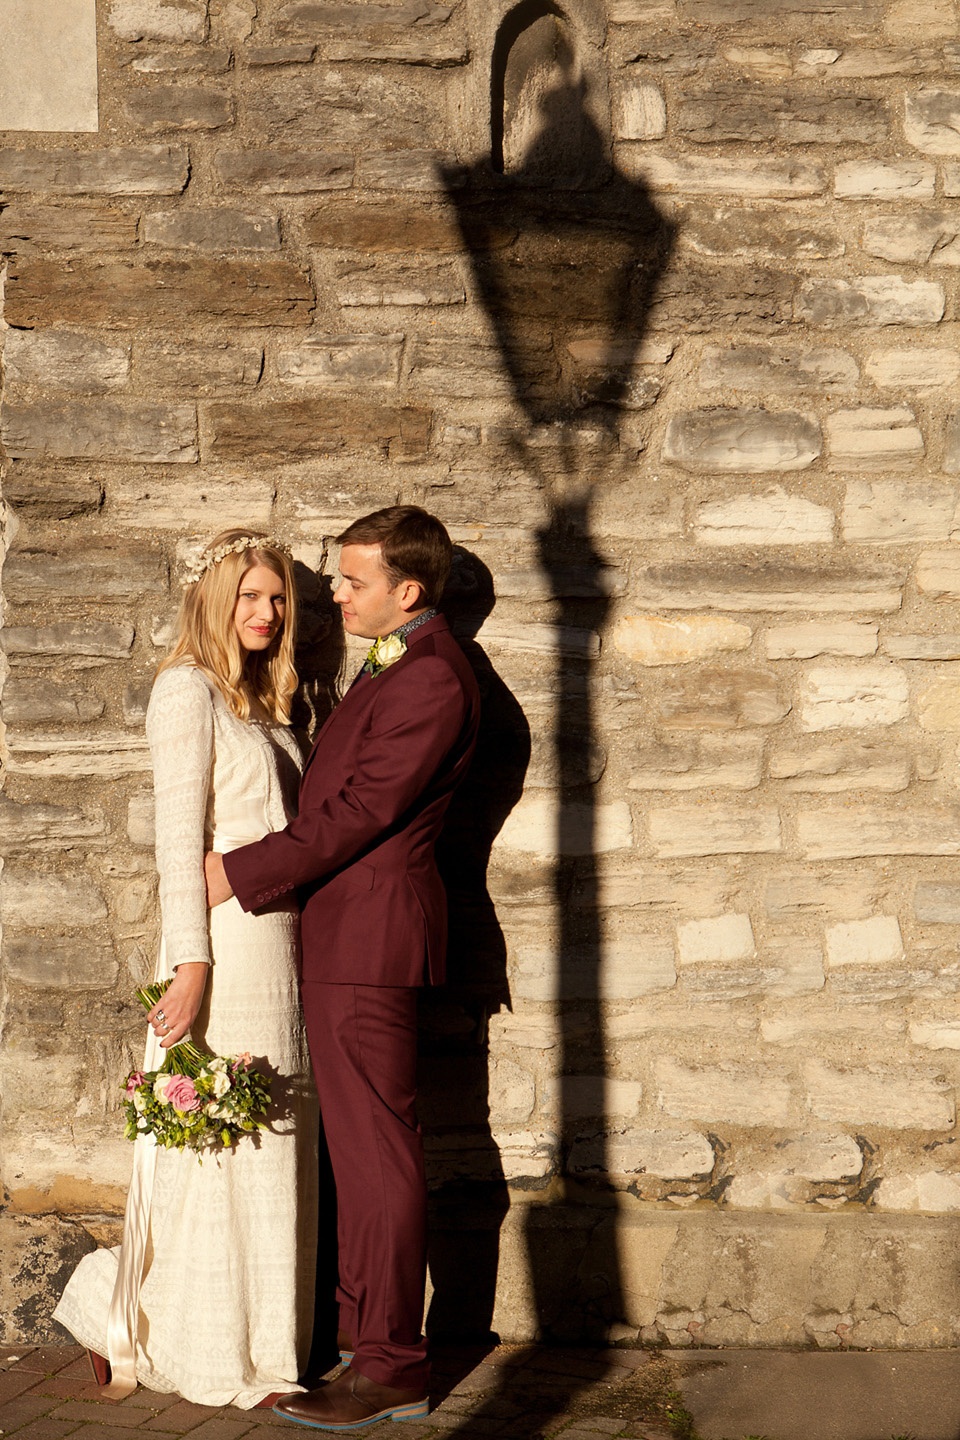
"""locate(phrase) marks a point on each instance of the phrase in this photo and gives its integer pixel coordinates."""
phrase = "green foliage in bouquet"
(195, 1101)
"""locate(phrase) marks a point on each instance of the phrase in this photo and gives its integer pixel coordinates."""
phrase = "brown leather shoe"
(351, 1402)
(100, 1366)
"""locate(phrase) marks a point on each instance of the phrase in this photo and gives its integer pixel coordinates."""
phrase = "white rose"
(390, 648)
(160, 1088)
(220, 1083)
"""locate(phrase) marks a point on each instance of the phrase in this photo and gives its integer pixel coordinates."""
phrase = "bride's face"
(260, 608)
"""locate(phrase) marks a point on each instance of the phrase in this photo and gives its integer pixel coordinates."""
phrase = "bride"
(210, 1294)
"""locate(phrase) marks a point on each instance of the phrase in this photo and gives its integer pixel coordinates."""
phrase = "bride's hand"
(177, 1007)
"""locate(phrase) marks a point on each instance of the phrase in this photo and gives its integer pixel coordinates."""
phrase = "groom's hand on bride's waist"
(218, 886)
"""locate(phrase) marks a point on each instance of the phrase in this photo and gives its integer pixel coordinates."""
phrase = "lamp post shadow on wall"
(566, 253)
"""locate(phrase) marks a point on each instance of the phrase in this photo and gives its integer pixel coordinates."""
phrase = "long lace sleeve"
(180, 732)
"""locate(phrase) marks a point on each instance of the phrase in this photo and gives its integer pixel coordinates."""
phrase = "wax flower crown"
(205, 561)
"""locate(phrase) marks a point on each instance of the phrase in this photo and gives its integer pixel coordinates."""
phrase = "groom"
(360, 852)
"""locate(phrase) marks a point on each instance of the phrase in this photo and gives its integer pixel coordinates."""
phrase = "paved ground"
(528, 1392)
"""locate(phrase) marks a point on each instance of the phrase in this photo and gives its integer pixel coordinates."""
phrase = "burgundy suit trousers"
(363, 1041)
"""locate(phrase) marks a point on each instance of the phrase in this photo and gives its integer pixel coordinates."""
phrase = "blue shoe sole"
(345, 1357)
(417, 1411)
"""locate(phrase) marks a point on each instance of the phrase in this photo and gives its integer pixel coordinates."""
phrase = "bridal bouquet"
(195, 1101)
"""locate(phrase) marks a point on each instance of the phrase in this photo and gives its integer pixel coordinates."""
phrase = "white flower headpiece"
(205, 560)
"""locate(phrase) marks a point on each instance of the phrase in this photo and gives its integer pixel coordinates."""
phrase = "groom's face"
(367, 603)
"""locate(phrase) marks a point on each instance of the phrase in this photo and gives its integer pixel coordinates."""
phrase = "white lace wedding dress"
(222, 1305)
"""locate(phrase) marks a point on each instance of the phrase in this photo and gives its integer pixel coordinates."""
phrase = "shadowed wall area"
(653, 303)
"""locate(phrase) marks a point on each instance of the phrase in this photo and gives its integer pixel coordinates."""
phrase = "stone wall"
(684, 383)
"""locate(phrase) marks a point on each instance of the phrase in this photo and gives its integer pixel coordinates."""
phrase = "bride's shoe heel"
(100, 1368)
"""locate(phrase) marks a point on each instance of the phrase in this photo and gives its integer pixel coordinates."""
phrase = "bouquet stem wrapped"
(195, 1101)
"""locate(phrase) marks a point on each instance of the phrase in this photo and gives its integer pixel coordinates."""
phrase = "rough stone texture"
(723, 896)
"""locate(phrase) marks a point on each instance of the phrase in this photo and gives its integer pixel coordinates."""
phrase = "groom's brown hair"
(414, 545)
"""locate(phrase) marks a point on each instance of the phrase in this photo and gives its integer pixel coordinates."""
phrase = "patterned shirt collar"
(408, 627)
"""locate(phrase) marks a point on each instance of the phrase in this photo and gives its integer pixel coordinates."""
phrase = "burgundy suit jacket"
(372, 800)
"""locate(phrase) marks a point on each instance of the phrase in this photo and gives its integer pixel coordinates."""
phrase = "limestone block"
(721, 939)
(416, 170)
(176, 20)
(951, 444)
(115, 573)
(108, 755)
(209, 507)
(767, 585)
(798, 15)
(938, 573)
(693, 890)
(930, 235)
(398, 282)
(140, 819)
(694, 297)
(937, 904)
(184, 59)
(876, 439)
(638, 512)
(919, 368)
(632, 964)
(715, 830)
(30, 899)
(512, 1092)
(853, 696)
(781, 369)
(38, 1251)
(60, 962)
(262, 55)
(875, 941)
(742, 439)
(934, 1191)
(921, 19)
(385, 228)
(576, 759)
(719, 699)
(702, 762)
(775, 518)
(938, 704)
(33, 701)
(808, 638)
(736, 1095)
(158, 292)
(591, 1097)
(931, 121)
(64, 361)
(51, 227)
(884, 180)
(297, 428)
(791, 965)
(840, 833)
(640, 112)
(764, 1190)
(342, 361)
(746, 179)
(767, 233)
(888, 512)
(846, 894)
(653, 640)
(821, 1157)
(108, 430)
(533, 638)
(667, 1154)
(46, 827)
(763, 62)
(211, 229)
(439, 51)
(307, 15)
(102, 640)
(190, 368)
(936, 1034)
(538, 825)
(842, 765)
(120, 170)
(471, 369)
(179, 108)
(899, 1099)
(285, 172)
(870, 300)
(922, 647)
(779, 114)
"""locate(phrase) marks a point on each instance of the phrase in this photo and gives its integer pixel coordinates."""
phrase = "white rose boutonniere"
(385, 650)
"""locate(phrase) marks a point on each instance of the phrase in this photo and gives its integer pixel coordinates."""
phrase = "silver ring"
(160, 1016)
(165, 1029)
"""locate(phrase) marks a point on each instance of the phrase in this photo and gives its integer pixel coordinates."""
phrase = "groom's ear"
(411, 595)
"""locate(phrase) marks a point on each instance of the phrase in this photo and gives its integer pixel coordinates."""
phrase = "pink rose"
(182, 1094)
(134, 1081)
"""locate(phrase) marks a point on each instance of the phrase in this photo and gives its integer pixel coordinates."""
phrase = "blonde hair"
(206, 634)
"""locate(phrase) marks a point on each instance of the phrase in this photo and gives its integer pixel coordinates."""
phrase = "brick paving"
(512, 1392)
